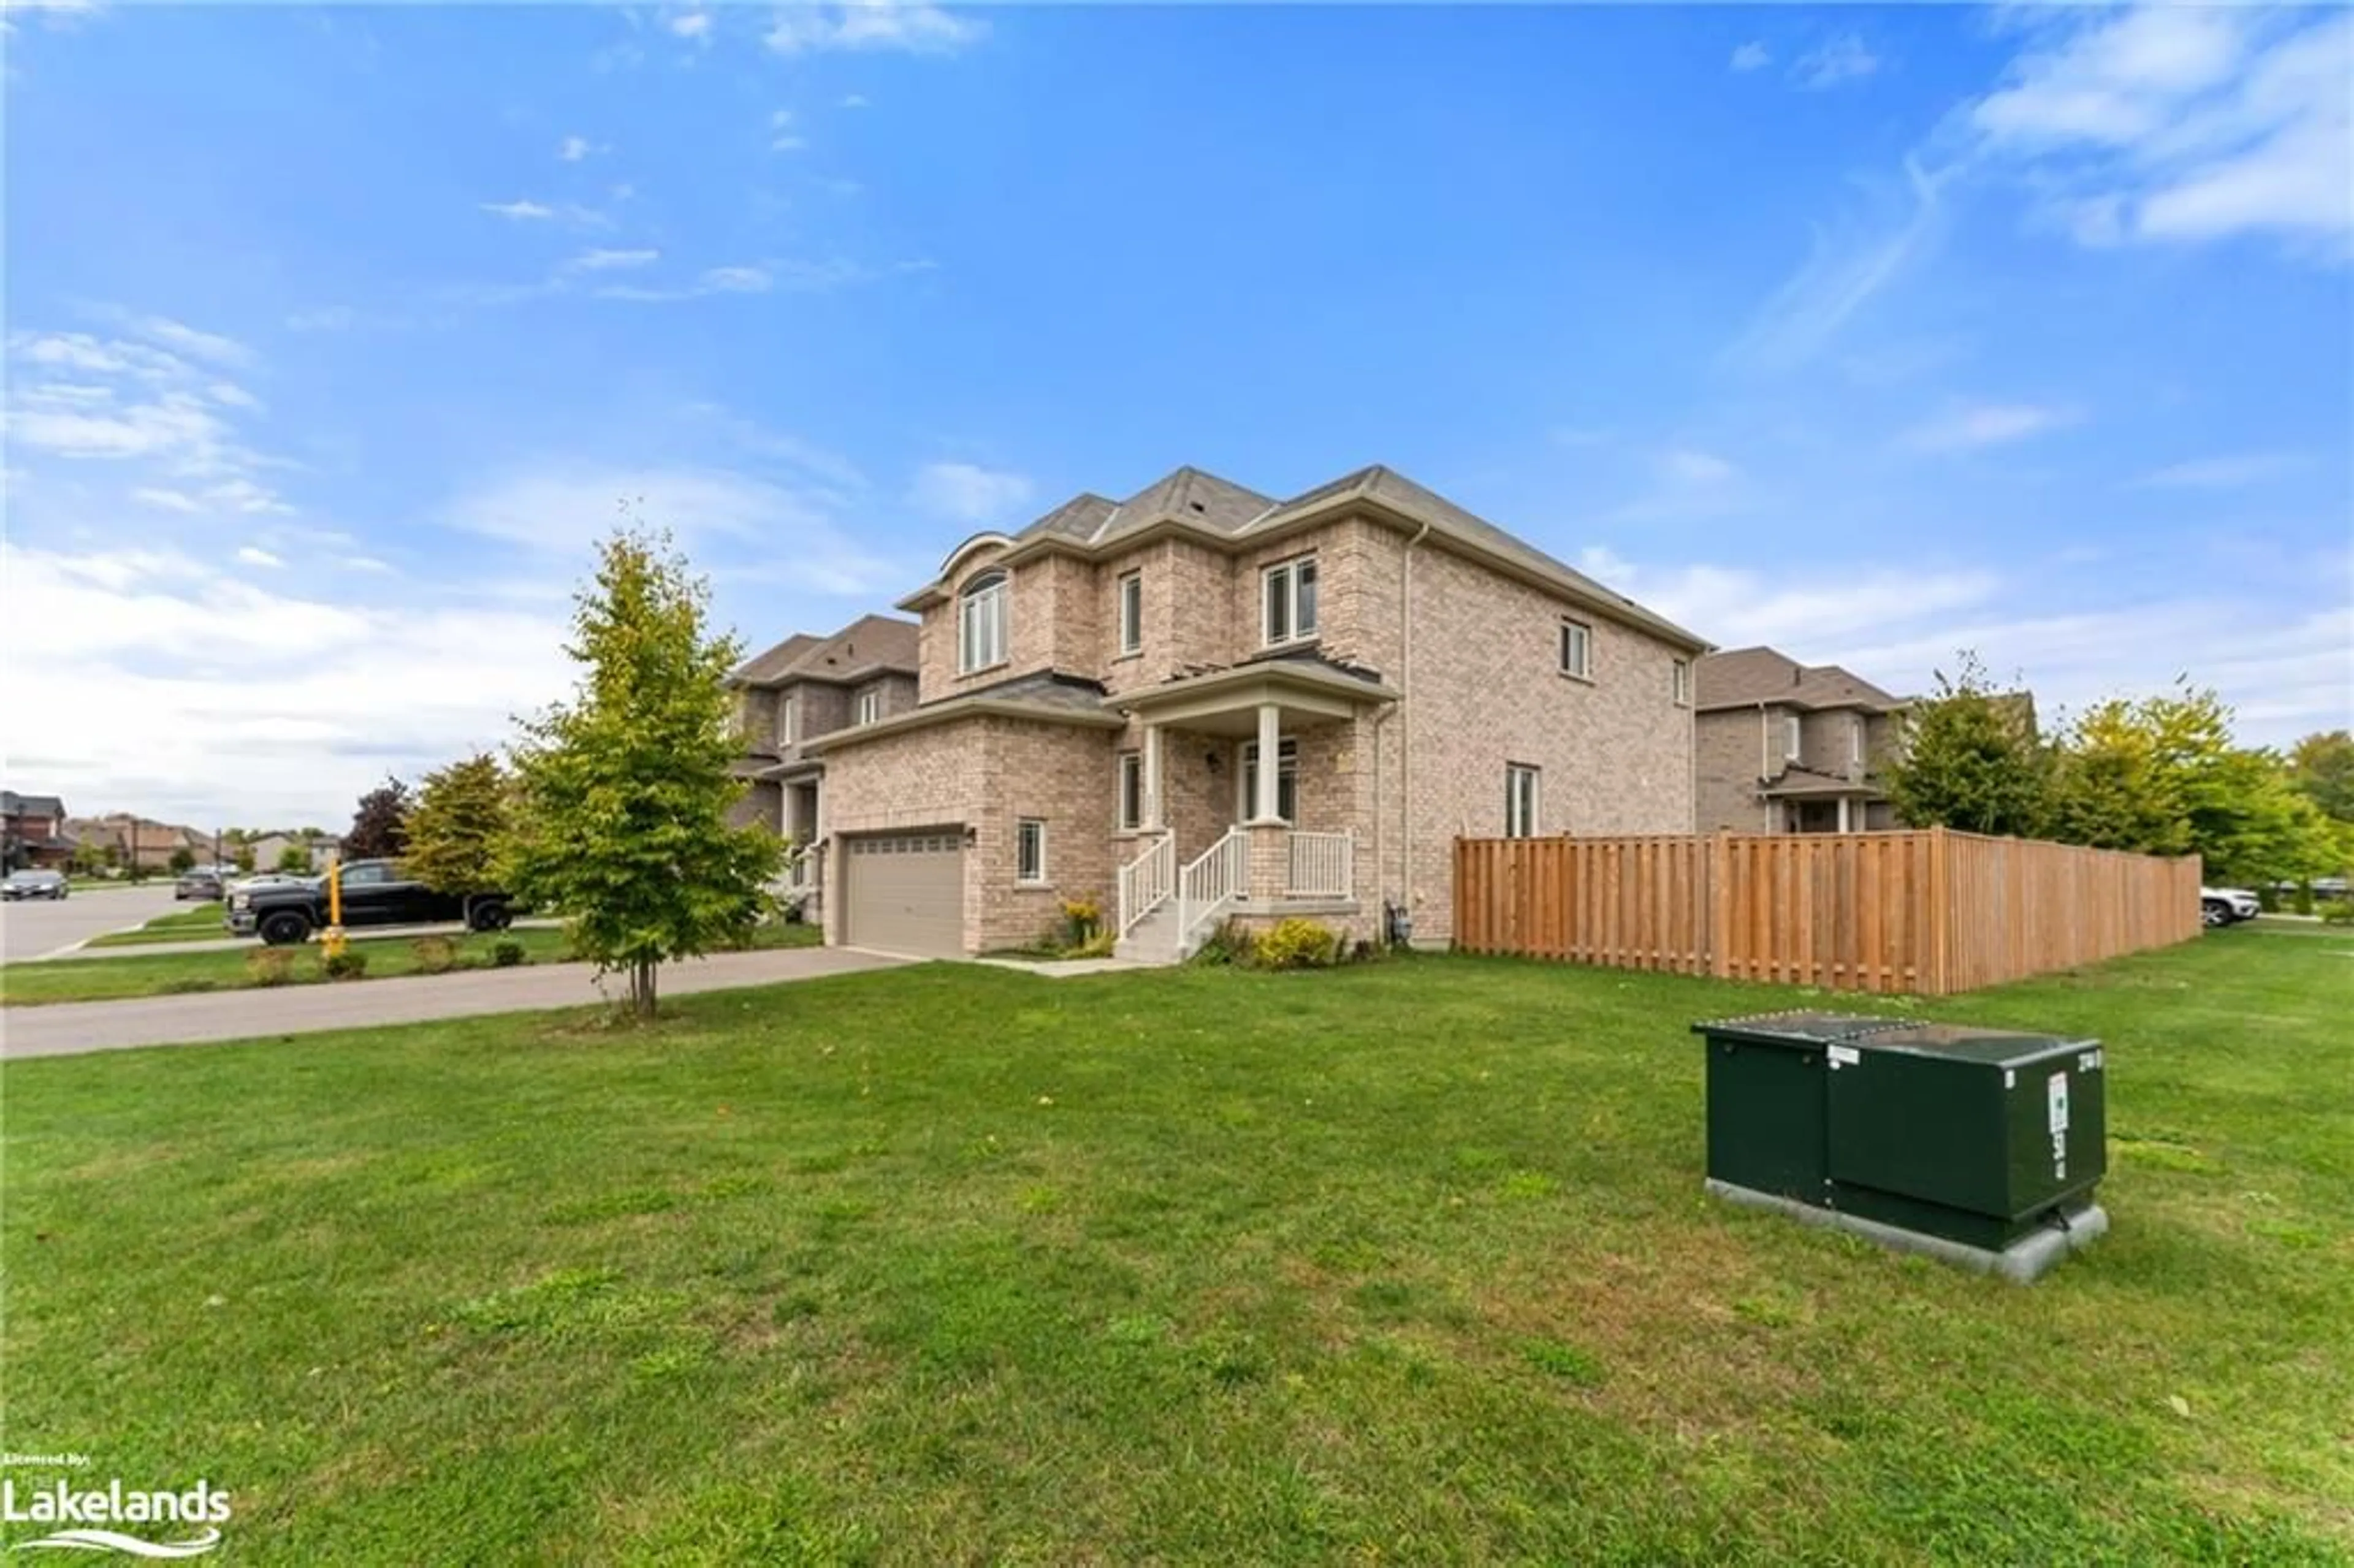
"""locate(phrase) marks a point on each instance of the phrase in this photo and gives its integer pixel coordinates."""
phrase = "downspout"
(1405, 731)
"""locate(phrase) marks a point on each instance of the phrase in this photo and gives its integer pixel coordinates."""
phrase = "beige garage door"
(905, 892)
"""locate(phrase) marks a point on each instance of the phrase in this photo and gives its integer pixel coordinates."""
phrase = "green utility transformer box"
(1979, 1146)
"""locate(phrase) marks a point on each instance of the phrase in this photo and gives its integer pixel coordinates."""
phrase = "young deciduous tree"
(183, 859)
(1970, 760)
(624, 791)
(458, 829)
(379, 829)
(293, 859)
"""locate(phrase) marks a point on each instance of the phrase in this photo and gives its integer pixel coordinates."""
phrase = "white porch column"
(1152, 820)
(1270, 763)
(1842, 813)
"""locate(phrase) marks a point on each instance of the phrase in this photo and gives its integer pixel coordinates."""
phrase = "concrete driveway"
(34, 927)
(72, 1029)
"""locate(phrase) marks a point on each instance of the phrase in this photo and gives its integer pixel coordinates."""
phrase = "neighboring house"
(804, 687)
(1202, 702)
(125, 839)
(270, 850)
(33, 832)
(1786, 747)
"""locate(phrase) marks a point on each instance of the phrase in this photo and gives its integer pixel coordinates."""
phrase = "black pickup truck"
(375, 893)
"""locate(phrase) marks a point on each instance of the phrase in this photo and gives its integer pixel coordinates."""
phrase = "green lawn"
(1406, 1263)
(195, 925)
(164, 974)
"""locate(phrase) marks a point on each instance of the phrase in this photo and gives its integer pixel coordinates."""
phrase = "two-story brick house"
(804, 687)
(1100, 693)
(1785, 747)
(33, 832)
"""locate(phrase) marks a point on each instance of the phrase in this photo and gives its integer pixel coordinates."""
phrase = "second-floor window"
(1131, 612)
(1287, 593)
(788, 721)
(1577, 650)
(1680, 683)
(1855, 743)
(870, 704)
(1791, 736)
(980, 623)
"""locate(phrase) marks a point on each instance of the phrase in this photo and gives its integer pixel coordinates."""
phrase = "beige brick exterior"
(1735, 748)
(1483, 689)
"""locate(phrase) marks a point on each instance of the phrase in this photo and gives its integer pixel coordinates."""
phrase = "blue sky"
(335, 335)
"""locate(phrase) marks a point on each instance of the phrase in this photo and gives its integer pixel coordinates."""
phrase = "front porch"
(1221, 834)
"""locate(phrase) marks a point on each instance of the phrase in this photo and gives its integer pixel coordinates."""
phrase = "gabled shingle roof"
(1077, 518)
(762, 668)
(15, 805)
(871, 643)
(1190, 495)
(1748, 676)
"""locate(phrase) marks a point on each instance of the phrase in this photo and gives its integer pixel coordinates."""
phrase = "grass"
(167, 974)
(1401, 1263)
(205, 920)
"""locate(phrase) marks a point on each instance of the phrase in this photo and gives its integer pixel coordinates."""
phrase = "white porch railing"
(1210, 884)
(1323, 865)
(1146, 880)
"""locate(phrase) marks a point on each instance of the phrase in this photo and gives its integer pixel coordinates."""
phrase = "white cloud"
(1751, 56)
(967, 493)
(1845, 269)
(255, 703)
(2184, 124)
(788, 144)
(1968, 426)
(1843, 58)
(169, 500)
(322, 318)
(574, 149)
(255, 555)
(693, 25)
(1736, 607)
(520, 211)
(1686, 466)
(853, 101)
(564, 507)
(363, 564)
(737, 280)
(187, 340)
(230, 393)
(2234, 473)
(873, 25)
(612, 260)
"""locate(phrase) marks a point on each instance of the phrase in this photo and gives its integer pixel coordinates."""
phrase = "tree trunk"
(641, 988)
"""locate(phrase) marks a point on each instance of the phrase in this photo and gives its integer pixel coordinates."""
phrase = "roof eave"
(949, 711)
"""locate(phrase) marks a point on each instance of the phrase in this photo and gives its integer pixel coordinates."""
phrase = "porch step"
(1153, 939)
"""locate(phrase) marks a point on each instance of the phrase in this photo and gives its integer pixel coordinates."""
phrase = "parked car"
(375, 893)
(2227, 906)
(198, 882)
(30, 883)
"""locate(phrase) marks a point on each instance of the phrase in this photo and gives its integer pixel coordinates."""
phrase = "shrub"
(270, 966)
(1100, 945)
(506, 953)
(349, 964)
(435, 955)
(1297, 945)
(2339, 913)
(1085, 919)
(2302, 899)
(1229, 944)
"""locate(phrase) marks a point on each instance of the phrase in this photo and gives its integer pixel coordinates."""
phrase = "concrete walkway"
(72, 1029)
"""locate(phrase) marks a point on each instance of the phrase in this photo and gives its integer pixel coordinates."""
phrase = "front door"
(1287, 781)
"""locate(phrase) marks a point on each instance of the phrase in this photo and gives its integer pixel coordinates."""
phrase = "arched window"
(980, 623)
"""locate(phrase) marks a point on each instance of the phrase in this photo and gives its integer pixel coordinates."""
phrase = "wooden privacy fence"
(1931, 912)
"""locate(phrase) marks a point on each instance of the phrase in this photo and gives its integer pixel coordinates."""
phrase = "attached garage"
(904, 893)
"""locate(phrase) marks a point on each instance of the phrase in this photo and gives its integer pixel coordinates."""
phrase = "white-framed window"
(870, 704)
(788, 720)
(1577, 650)
(1030, 850)
(1855, 741)
(1288, 601)
(1131, 791)
(1680, 682)
(980, 623)
(1287, 781)
(1793, 734)
(1520, 801)
(1131, 612)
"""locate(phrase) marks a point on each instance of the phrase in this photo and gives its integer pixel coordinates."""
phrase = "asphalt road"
(71, 1029)
(30, 928)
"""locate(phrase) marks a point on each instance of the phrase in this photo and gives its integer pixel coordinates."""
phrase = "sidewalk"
(69, 1029)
